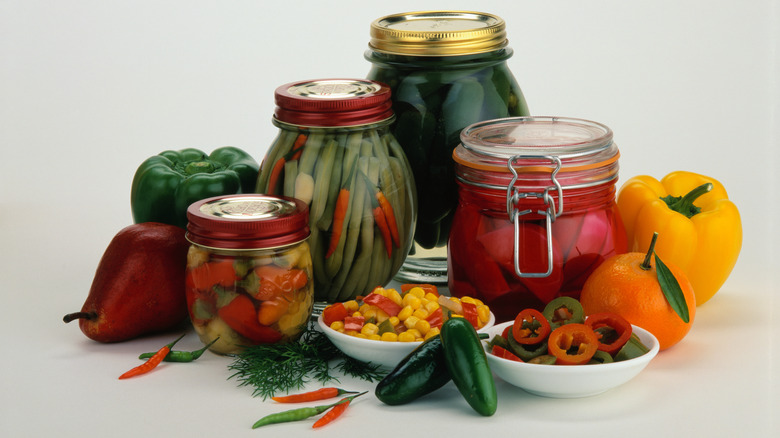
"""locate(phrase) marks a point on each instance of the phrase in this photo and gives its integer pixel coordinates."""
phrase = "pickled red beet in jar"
(536, 211)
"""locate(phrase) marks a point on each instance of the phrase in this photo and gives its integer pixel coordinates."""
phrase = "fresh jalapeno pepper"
(612, 330)
(467, 363)
(563, 310)
(530, 327)
(572, 344)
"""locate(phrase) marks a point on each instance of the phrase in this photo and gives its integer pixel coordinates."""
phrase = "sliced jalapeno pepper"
(601, 357)
(525, 352)
(633, 349)
(530, 327)
(545, 359)
(563, 310)
(573, 344)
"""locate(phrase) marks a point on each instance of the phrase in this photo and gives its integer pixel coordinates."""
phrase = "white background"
(90, 89)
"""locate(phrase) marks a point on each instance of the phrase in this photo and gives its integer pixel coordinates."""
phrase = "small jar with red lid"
(536, 212)
(335, 152)
(249, 270)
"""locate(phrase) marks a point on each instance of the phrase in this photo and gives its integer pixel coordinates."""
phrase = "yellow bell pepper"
(699, 228)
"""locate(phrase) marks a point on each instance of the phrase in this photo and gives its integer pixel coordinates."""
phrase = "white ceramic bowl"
(386, 354)
(570, 381)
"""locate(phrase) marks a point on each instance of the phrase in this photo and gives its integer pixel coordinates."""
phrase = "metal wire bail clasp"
(513, 196)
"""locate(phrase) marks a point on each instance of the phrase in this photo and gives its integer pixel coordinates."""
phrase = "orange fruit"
(621, 286)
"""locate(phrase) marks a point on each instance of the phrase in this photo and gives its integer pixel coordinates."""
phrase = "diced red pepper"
(530, 327)
(612, 331)
(436, 318)
(504, 353)
(572, 344)
(209, 274)
(383, 303)
(470, 313)
(241, 316)
(334, 312)
(354, 323)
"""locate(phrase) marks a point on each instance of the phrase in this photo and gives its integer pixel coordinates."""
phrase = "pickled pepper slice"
(572, 344)
(530, 327)
(612, 330)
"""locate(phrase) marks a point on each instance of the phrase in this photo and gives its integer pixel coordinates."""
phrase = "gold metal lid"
(438, 33)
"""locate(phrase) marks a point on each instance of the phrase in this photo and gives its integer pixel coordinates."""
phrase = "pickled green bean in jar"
(447, 70)
(335, 152)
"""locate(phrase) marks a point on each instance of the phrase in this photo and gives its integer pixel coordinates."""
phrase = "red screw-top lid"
(247, 221)
(333, 102)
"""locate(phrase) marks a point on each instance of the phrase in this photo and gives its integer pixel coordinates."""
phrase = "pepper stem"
(684, 204)
(194, 167)
(646, 263)
(79, 315)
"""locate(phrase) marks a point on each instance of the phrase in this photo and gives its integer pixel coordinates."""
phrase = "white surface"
(89, 89)
(561, 381)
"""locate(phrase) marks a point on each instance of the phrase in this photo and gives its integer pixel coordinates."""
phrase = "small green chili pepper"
(545, 359)
(525, 352)
(601, 357)
(182, 356)
(300, 413)
(633, 348)
(563, 310)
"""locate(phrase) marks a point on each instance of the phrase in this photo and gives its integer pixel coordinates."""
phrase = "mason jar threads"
(249, 270)
(447, 70)
(336, 153)
(536, 212)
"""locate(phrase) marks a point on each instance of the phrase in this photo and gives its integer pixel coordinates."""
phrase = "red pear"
(138, 287)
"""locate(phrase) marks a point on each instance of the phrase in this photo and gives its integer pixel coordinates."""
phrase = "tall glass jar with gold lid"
(447, 70)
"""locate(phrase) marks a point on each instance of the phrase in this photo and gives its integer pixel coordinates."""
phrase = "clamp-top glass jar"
(249, 270)
(536, 213)
(335, 152)
(447, 70)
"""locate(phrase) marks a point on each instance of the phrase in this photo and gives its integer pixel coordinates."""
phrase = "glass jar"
(249, 270)
(536, 212)
(447, 70)
(335, 151)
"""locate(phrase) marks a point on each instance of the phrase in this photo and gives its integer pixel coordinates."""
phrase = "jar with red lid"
(335, 152)
(536, 212)
(249, 270)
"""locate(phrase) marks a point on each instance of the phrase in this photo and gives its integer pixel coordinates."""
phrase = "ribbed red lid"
(247, 221)
(333, 102)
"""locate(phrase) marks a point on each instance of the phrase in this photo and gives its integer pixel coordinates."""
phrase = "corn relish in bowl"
(386, 325)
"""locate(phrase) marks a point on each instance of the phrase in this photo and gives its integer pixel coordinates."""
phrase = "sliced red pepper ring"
(503, 353)
(572, 344)
(530, 327)
(382, 303)
(612, 331)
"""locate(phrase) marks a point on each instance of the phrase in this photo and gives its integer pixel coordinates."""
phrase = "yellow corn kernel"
(431, 297)
(379, 291)
(416, 333)
(369, 329)
(421, 313)
(432, 332)
(412, 300)
(394, 320)
(411, 321)
(381, 315)
(375, 337)
(478, 302)
(337, 325)
(363, 307)
(351, 305)
(358, 334)
(431, 306)
(406, 337)
(405, 313)
(370, 312)
(390, 337)
(467, 300)
(422, 326)
(483, 312)
(416, 291)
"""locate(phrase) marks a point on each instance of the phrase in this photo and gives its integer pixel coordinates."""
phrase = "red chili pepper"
(572, 344)
(319, 394)
(383, 303)
(380, 219)
(612, 330)
(340, 213)
(294, 154)
(436, 318)
(217, 272)
(332, 414)
(354, 323)
(390, 216)
(530, 327)
(241, 316)
(334, 312)
(502, 352)
(470, 313)
(152, 362)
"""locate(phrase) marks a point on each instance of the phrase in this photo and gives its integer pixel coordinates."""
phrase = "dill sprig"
(276, 368)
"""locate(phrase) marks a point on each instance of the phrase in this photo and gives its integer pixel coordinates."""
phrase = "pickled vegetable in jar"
(447, 70)
(536, 212)
(249, 270)
(335, 152)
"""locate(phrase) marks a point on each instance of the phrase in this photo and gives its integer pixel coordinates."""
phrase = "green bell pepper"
(166, 184)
